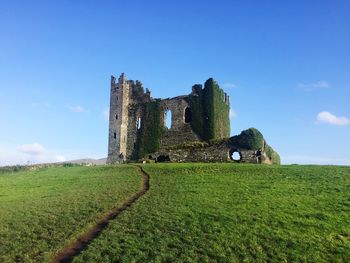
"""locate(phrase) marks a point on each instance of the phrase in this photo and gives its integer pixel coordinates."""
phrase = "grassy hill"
(192, 212)
(44, 209)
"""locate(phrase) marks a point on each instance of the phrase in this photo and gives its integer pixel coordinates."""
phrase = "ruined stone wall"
(118, 119)
(180, 131)
(138, 97)
(113, 144)
(126, 100)
(206, 154)
(212, 153)
(198, 132)
(134, 114)
(210, 106)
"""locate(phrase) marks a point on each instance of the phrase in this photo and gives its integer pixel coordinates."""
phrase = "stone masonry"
(128, 116)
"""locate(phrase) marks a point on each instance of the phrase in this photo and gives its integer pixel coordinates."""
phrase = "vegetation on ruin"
(233, 213)
(43, 209)
(217, 111)
(151, 130)
(210, 112)
(197, 144)
(272, 154)
(197, 105)
(251, 139)
(188, 145)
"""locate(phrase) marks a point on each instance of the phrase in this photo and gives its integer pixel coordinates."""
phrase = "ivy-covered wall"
(196, 102)
(210, 111)
(272, 154)
(151, 130)
(219, 111)
(251, 139)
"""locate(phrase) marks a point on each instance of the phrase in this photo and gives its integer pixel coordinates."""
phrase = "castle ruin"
(199, 130)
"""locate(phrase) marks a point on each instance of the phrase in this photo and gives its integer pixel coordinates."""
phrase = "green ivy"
(151, 130)
(250, 139)
(218, 111)
(209, 111)
(197, 107)
(275, 158)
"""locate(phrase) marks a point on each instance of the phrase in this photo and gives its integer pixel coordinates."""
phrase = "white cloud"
(60, 158)
(233, 114)
(78, 108)
(105, 114)
(229, 85)
(32, 149)
(329, 118)
(28, 154)
(321, 84)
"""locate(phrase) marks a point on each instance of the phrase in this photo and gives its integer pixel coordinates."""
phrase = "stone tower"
(118, 119)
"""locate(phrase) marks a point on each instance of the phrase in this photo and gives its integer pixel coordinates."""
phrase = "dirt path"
(70, 251)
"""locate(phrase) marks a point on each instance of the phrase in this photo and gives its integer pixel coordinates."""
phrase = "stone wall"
(137, 126)
(212, 153)
(138, 97)
(217, 153)
(126, 99)
(118, 119)
(180, 131)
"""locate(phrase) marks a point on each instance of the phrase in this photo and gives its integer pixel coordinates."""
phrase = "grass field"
(233, 213)
(42, 210)
(192, 213)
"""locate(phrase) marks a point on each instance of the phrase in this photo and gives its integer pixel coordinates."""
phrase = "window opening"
(168, 119)
(139, 121)
(188, 115)
(235, 155)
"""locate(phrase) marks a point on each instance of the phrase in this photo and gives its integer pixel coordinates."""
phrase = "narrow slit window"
(139, 122)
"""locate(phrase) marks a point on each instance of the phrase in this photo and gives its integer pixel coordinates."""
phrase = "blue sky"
(285, 65)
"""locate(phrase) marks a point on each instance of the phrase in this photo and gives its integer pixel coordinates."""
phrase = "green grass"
(42, 210)
(233, 213)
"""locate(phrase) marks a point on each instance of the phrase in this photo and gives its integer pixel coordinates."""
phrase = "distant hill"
(85, 161)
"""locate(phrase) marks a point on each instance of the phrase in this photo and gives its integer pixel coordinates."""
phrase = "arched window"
(188, 115)
(116, 116)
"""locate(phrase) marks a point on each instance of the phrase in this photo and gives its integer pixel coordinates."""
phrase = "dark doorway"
(163, 158)
(188, 115)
